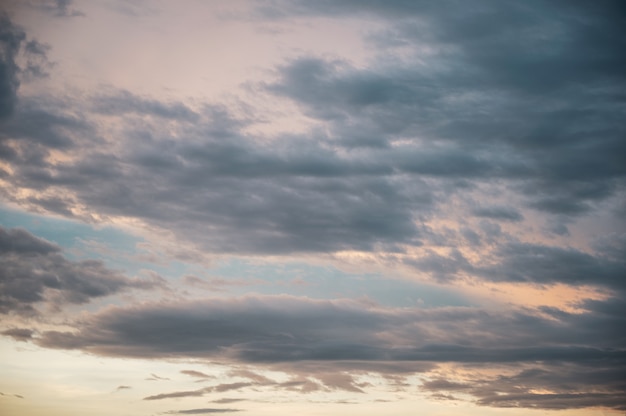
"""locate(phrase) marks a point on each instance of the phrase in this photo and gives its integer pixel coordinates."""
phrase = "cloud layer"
(527, 101)
(472, 146)
(575, 355)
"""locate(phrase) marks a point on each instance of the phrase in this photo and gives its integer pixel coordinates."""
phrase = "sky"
(279, 207)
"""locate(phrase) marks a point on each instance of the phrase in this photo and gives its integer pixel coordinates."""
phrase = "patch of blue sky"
(119, 250)
(328, 282)
(115, 247)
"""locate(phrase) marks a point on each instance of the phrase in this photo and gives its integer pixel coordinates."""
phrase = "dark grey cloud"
(499, 213)
(563, 173)
(38, 126)
(296, 196)
(524, 95)
(443, 268)
(324, 344)
(543, 264)
(537, 83)
(19, 334)
(257, 329)
(20, 241)
(34, 271)
(262, 331)
(201, 411)
(514, 261)
(14, 42)
(11, 38)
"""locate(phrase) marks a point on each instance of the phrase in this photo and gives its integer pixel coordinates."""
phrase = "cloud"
(350, 189)
(11, 38)
(201, 411)
(257, 329)
(19, 241)
(518, 262)
(220, 388)
(522, 262)
(458, 139)
(125, 103)
(227, 400)
(251, 375)
(19, 334)
(56, 8)
(197, 374)
(178, 394)
(13, 43)
(498, 213)
(19, 396)
(504, 94)
(554, 401)
(525, 81)
(217, 284)
(563, 386)
(154, 377)
(37, 64)
(324, 345)
(280, 201)
(464, 128)
(35, 271)
(318, 379)
(34, 130)
(251, 328)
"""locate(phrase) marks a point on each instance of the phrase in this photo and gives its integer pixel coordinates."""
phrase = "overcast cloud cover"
(313, 207)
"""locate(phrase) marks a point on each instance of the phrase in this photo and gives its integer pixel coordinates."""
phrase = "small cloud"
(197, 374)
(123, 388)
(440, 396)
(178, 394)
(19, 334)
(19, 396)
(227, 400)
(154, 377)
(498, 213)
(200, 411)
(232, 386)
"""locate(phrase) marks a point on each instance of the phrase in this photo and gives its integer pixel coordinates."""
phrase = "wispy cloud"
(196, 374)
(200, 411)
